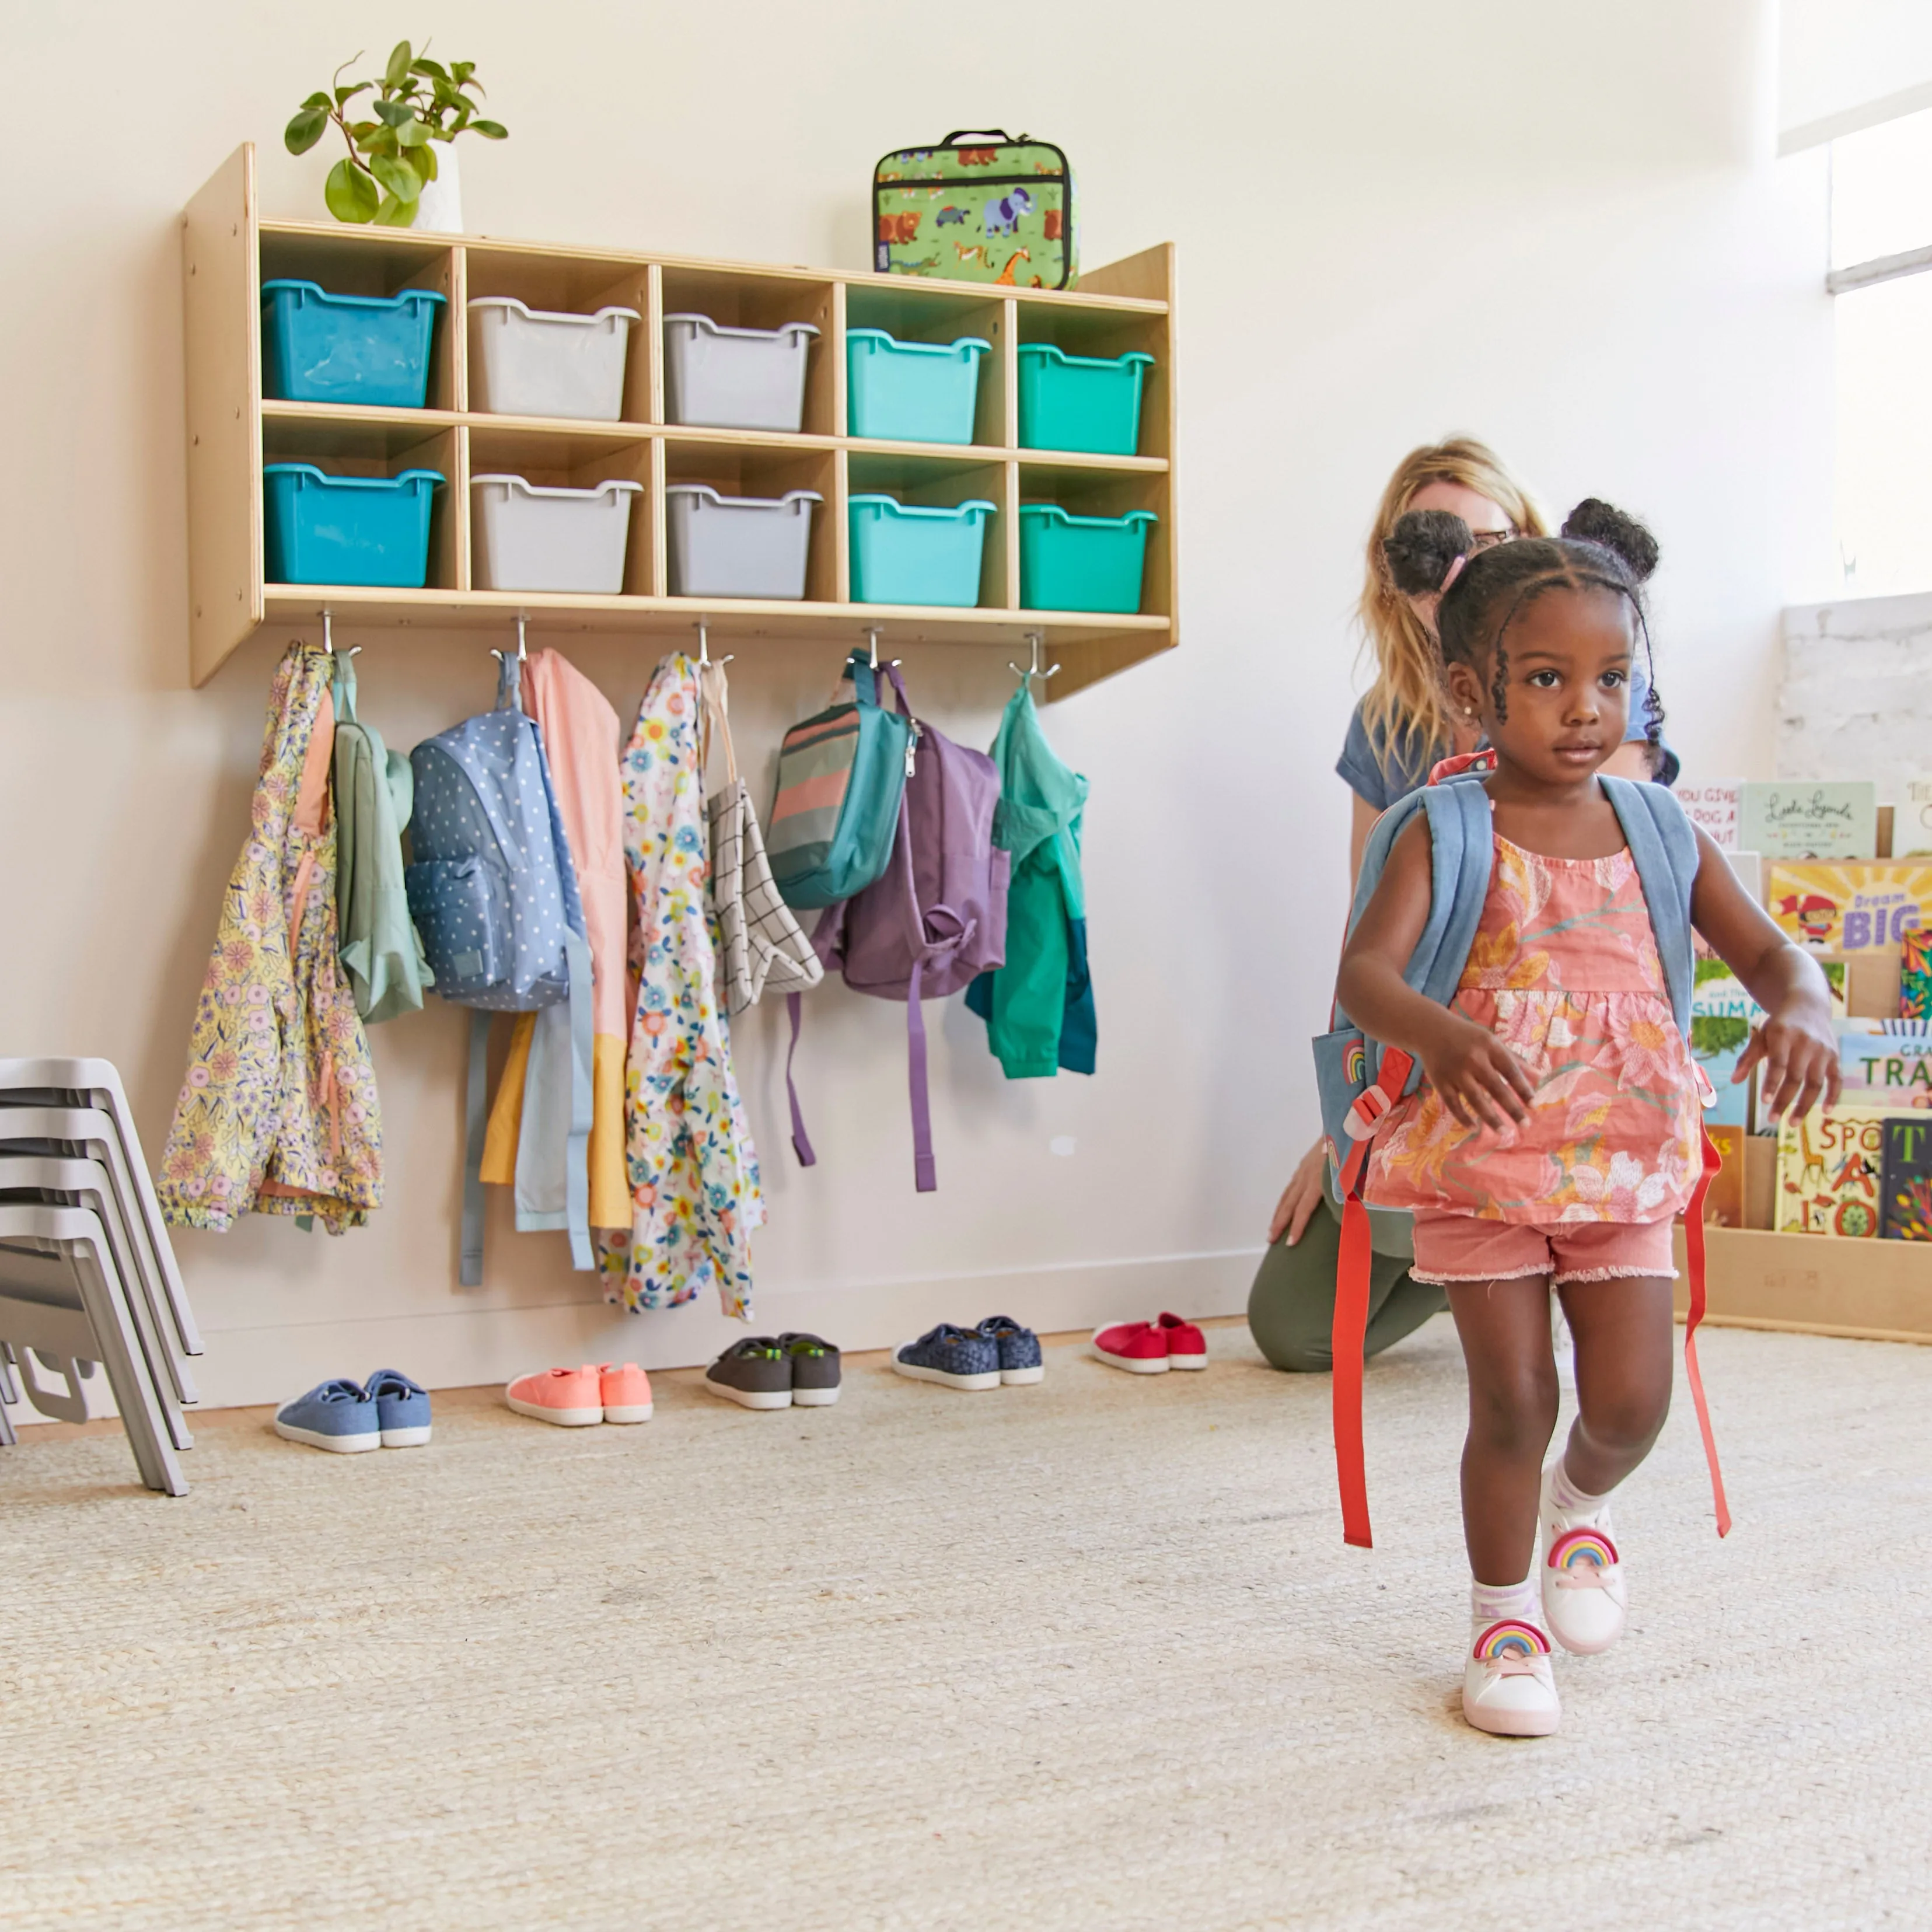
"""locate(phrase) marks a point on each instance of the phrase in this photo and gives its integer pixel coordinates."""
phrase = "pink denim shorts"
(1462, 1247)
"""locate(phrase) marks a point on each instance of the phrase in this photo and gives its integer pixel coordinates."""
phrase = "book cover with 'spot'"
(1828, 1173)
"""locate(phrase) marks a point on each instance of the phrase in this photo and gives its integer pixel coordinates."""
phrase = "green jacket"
(1038, 1007)
(375, 791)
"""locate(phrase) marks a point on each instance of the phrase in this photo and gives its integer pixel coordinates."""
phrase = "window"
(1881, 276)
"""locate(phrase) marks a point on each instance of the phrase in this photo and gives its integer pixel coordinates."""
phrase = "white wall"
(1844, 65)
(1394, 222)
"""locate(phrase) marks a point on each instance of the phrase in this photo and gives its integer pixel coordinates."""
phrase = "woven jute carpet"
(1091, 1654)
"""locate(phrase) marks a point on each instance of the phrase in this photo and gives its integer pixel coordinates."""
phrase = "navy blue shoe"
(402, 1409)
(961, 1358)
(1020, 1359)
(338, 1415)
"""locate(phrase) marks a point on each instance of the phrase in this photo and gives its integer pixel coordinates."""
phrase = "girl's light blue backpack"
(1358, 1081)
(493, 893)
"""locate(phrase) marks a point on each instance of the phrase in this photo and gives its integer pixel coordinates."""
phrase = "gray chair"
(63, 1297)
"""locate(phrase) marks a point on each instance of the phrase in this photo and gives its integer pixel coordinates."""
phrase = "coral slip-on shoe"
(1508, 1687)
(571, 1398)
(625, 1390)
(338, 1415)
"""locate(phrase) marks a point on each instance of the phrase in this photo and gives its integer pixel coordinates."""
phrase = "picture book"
(1905, 1206)
(1915, 975)
(1829, 1166)
(1713, 809)
(1810, 818)
(1912, 821)
(1724, 1199)
(1885, 1063)
(1722, 1016)
(1844, 908)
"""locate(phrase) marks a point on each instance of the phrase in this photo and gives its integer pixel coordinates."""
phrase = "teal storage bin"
(1081, 563)
(347, 530)
(320, 348)
(912, 553)
(912, 392)
(1089, 402)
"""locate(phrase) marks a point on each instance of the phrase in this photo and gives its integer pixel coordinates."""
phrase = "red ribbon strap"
(1693, 1251)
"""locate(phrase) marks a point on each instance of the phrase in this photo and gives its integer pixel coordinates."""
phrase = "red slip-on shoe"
(1138, 1347)
(1186, 1346)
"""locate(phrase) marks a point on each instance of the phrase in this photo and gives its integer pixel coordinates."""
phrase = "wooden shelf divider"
(228, 251)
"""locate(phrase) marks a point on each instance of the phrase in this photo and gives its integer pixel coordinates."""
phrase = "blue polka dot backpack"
(493, 893)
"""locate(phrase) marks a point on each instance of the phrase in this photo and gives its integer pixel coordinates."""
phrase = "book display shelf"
(228, 251)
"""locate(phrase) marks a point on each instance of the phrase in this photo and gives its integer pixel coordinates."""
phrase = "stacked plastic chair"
(87, 1276)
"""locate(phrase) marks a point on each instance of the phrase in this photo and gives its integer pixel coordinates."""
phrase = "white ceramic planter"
(440, 207)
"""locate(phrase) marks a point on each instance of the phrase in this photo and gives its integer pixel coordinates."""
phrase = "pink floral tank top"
(1565, 971)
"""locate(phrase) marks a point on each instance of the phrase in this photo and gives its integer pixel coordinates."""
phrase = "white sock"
(1504, 1602)
(1579, 1506)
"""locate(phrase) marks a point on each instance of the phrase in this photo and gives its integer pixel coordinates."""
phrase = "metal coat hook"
(872, 631)
(705, 659)
(1035, 666)
(523, 654)
(329, 636)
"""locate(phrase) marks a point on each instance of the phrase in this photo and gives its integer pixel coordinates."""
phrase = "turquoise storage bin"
(1081, 563)
(347, 530)
(911, 553)
(320, 348)
(1089, 403)
(912, 392)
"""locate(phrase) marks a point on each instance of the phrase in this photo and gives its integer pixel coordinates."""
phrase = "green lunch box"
(1081, 563)
(978, 208)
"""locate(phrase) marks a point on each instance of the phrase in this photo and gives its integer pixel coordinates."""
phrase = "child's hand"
(1479, 1080)
(1799, 1053)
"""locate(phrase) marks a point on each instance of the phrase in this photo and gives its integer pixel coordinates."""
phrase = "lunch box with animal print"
(978, 207)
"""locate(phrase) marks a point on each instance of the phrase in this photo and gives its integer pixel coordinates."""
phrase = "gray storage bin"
(717, 377)
(738, 546)
(527, 361)
(531, 537)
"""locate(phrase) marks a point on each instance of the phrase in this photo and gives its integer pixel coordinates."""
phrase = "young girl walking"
(1556, 1132)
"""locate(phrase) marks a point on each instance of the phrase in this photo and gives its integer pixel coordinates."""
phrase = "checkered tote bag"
(761, 946)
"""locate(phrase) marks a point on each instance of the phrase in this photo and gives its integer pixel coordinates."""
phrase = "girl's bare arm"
(1479, 1079)
(1796, 1044)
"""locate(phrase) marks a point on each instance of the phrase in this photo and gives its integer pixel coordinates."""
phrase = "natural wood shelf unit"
(1814, 1284)
(228, 251)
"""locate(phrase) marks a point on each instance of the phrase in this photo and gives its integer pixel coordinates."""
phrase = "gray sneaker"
(814, 1369)
(1020, 1358)
(755, 1373)
(961, 1358)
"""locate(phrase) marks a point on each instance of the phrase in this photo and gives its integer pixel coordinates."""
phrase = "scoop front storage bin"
(912, 392)
(1086, 403)
(913, 553)
(528, 536)
(371, 349)
(526, 361)
(738, 546)
(717, 377)
(1081, 563)
(347, 530)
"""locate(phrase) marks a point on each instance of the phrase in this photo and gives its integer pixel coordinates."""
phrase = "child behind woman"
(1556, 1134)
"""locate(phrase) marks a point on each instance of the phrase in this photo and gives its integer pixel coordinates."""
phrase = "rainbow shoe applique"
(1584, 1595)
(1508, 1688)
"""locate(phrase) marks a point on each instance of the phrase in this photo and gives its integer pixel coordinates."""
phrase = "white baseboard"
(460, 1348)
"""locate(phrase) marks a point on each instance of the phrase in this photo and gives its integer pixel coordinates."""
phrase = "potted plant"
(400, 170)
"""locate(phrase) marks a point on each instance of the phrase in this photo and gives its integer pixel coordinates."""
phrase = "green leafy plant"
(392, 156)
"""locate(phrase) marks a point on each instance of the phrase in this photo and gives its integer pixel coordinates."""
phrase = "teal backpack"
(841, 774)
(1358, 1081)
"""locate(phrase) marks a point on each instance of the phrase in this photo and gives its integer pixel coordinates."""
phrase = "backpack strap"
(476, 1120)
(1664, 847)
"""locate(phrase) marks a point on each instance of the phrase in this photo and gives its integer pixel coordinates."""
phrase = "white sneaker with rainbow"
(1508, 1687)
(1584, 1595)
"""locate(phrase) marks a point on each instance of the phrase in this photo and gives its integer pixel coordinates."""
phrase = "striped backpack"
(841, 774)
(1359, 1081)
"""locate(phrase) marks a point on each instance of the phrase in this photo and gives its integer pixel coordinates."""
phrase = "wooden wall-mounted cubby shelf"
(229, 250)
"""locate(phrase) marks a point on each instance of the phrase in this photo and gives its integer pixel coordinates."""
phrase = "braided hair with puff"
(1601, 548)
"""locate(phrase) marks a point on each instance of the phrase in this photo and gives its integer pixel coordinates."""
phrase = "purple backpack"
(935, 919)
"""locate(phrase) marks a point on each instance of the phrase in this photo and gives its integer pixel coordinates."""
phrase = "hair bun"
(1594, 521)
(1422, 547)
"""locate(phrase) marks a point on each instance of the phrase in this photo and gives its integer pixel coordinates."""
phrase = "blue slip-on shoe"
(1020, 1358)
(961, 1358)
(339, 1415)
(402, 1409)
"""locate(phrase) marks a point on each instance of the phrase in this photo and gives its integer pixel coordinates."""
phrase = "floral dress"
(279, 1113)
(1565, 970)
(693, 1171)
